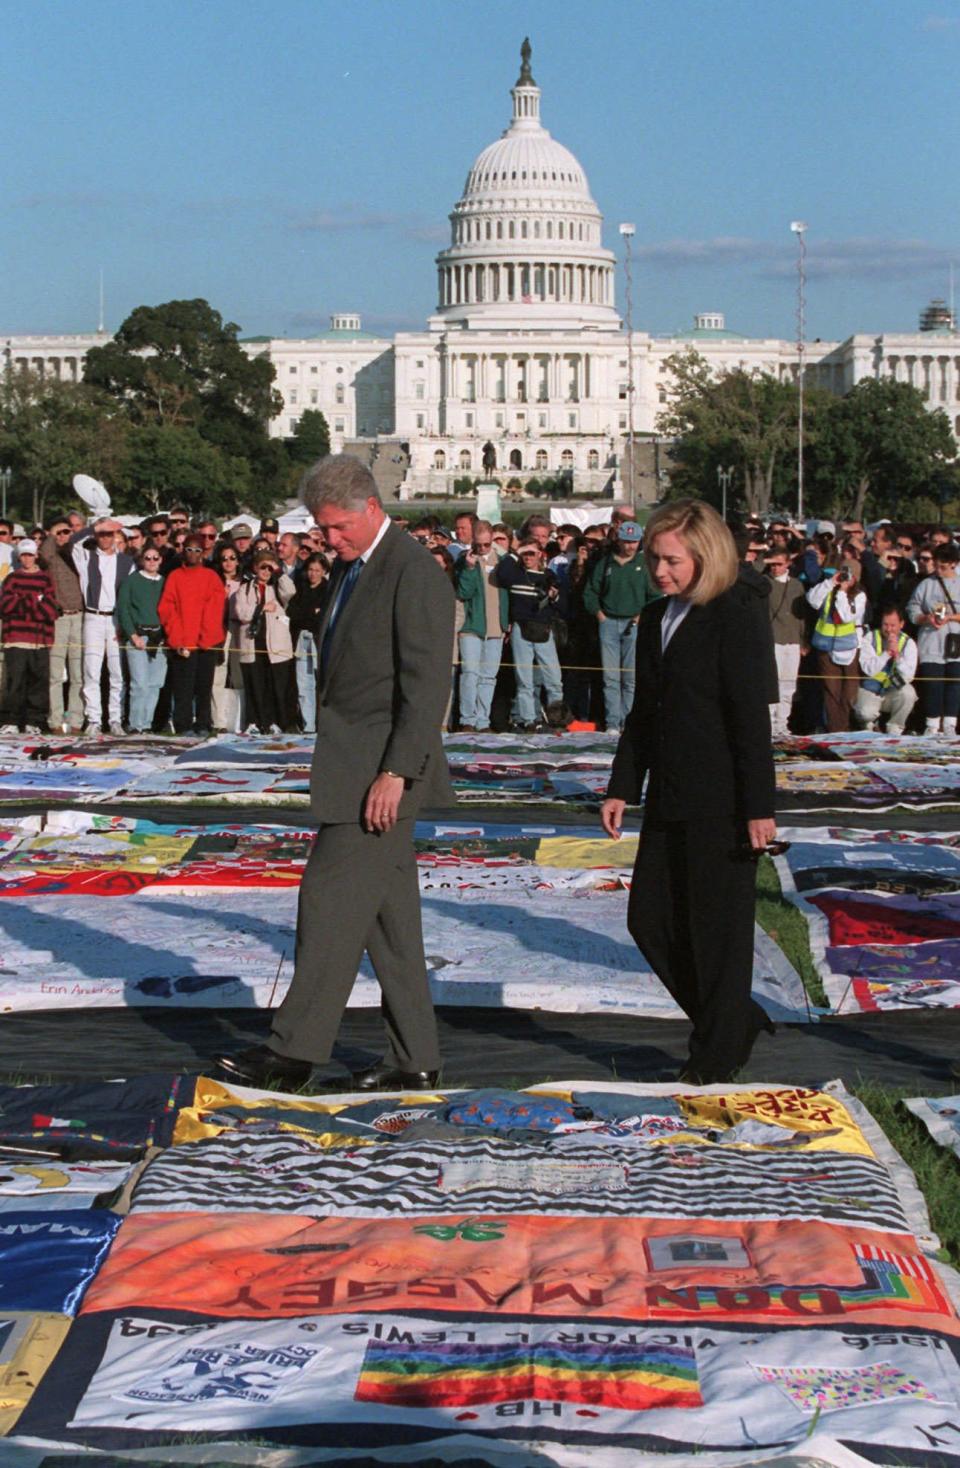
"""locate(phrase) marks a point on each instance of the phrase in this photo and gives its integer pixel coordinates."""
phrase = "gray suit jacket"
(382, 702)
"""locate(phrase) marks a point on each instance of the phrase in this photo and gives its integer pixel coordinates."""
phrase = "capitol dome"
(526, 236)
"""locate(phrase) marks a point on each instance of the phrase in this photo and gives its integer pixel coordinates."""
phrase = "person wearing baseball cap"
(241, 538)
(29, 610)
(616, 591)
(270, 530)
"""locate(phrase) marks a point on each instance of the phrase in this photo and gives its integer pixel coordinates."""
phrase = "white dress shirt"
(677, 609)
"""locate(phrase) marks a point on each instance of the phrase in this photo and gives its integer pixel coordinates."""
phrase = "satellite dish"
(92, 492)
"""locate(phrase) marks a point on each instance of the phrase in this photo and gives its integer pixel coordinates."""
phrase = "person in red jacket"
(191, 613)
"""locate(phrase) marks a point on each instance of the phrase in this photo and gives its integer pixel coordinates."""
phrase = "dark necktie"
(344, 592)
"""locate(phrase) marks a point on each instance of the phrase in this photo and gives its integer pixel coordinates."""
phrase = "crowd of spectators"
(169, 626)
(866, 625)
(178, 625)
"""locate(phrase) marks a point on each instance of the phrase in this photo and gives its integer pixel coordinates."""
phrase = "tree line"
(877, 449)
(172, 410)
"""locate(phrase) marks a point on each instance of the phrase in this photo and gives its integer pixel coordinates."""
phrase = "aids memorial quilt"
(518, 915)
(883, 914)
(831, 772)
(941, 1117)
(563, 1297)
(880, 785)
(105, 1120)
(863, 748)
(52, 1184)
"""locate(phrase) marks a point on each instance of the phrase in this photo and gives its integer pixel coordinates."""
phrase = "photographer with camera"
(139, 618)
(842, 609)
(258, 609)
(535, 613)
(934, 609)
(888, 661)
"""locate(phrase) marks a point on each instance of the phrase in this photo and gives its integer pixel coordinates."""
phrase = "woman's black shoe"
(710, 1075)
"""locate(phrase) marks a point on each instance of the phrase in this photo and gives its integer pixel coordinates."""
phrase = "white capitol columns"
(523, 376)
(525, 281)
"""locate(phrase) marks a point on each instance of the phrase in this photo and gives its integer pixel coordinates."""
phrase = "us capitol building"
(526, 352)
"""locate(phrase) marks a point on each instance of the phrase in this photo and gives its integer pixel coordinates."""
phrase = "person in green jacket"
(140, 629)
(616, 591)
(486, 620)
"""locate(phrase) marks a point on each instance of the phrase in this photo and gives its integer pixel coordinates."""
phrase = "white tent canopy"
(581, 515)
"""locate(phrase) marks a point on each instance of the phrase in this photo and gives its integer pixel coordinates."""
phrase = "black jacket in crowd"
(306, 606)
(527, 589)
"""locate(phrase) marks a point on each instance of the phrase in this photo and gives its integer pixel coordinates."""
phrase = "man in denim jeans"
(486, 619)
(534, 595)
(616, 591)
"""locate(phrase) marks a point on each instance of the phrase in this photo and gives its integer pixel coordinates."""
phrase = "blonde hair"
(707, 539)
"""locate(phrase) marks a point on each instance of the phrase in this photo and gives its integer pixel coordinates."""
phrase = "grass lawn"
(787, 927)
(936, 1169)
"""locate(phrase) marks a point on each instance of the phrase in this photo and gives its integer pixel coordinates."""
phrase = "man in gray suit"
(383, 682)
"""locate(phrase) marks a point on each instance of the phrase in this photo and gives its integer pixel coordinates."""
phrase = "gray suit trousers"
(359, 893)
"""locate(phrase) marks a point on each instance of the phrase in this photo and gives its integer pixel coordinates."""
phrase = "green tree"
(51, 430)
(180, 366)
(172, 464)
(879, 443)
(180, 362)
(311, 438)
(739, 418)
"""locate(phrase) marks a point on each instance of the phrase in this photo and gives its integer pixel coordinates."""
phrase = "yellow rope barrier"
(565, 667)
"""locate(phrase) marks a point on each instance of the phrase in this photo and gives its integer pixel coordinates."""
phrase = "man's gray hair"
(339, 480)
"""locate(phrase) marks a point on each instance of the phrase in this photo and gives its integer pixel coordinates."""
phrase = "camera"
(153, 636)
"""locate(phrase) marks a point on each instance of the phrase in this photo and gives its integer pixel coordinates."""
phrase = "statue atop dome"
(525, 79)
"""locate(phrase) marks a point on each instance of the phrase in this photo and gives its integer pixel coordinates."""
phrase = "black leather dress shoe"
(385, 1077)
(258, 1065)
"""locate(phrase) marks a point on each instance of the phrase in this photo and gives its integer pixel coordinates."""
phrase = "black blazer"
(700, 724)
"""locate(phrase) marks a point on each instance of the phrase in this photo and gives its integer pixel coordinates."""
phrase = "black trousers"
(271, 694)
(191, 684)
(691, 914)
(26, 685)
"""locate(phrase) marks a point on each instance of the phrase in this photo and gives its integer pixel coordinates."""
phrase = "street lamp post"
(799, 229)
(628, 231)
(724, 479)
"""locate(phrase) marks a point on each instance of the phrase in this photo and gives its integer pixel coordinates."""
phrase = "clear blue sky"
(288, 160)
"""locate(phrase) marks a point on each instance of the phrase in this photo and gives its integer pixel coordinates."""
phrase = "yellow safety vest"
(830, 636)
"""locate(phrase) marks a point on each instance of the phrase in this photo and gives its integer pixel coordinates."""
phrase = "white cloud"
(350, 218)
(856, 258)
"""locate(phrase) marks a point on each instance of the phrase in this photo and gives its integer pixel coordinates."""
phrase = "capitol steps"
(386, 460)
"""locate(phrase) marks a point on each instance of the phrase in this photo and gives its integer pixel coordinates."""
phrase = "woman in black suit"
(700, 728)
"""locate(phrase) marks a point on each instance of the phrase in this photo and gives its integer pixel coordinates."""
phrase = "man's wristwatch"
(393, 774)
